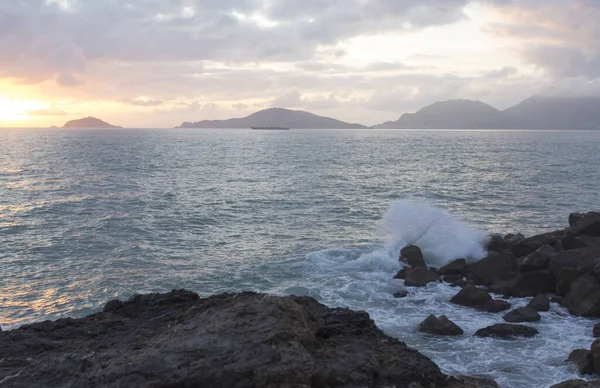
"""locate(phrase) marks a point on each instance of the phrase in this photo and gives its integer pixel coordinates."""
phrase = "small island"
(89, 123)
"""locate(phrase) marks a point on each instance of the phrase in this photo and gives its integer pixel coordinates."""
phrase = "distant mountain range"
(89, 123)
(295, 119)
(538, 112)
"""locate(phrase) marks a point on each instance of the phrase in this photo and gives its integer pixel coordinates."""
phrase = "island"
(89, 123)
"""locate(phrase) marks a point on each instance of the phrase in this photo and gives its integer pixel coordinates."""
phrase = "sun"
(13, 110)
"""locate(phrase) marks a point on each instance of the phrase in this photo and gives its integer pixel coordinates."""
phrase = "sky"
(157, 63)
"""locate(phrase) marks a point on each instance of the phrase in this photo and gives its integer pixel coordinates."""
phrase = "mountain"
(451, 114)
(295, 119)
(537, 112)
(88, 123)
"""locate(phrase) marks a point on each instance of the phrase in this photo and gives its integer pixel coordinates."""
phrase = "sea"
(87, 216)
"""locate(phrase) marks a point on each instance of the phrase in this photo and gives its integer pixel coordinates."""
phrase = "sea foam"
(441, 236)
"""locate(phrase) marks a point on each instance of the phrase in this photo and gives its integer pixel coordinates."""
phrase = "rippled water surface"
(86, 216)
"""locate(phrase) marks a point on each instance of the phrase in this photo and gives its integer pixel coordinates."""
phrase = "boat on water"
(271, 128)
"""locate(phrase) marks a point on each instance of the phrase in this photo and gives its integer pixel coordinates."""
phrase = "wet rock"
(412, 255)
(525, 284)
(522, 314)
(513, 239)
(401, 294)
(433, 269)
(471, 296)
(457, 267)
(587, 224)
(440, 326)
(531, 244)
(451, 278)
(420, 277)
(471, 382)
(571, 242)
(403, 273)
(496, 243)
(461, 283)
(506, 330)
(229, 340)
(583, 298)
(583, 259)
(595, 355)
(540, 303)
(582, 360)
(556, 299)
(574, 218)
(536, 260)
(565, 277)
(577, 384)
(494, 306)
(493, 268)
(596, 330)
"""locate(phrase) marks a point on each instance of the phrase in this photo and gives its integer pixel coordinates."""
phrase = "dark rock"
(565, 277)
(582, 359)
(595, 355)
(412, 255)
(451, 278)
(401, 294)
(540, 303)
(525, 284)
(577, 384)
(471, 382)
(461, 283)
(403, 273)
(583, 259)
(433, 269)
(420, 277)
(583, 298)
(556, 299)
(583, 241)
(457, 267)
(439, 326)
(596, 330)
(496, 243)
(229, 340)
(532, 244)
(505, 330)
(536, 260)
(522, 314)
(587, 224)
(112, 306)
(493, 268)
(471, 296)
(513, 239)
(494, 306)
(574, 218)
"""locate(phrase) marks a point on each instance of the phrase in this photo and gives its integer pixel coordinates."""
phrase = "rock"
(439, 326)
(556, 299)
(401, 294)
(403, 273)
(583, 298)
(228, 340)
(525, 284)
(471, 382)
(494, 306)
(433, 269)
(495, 243)
(451, 278)
(457, 267)
(574, 218)
(565, 277)
(412, 255)
(532, 244)
(505, 330)
(540, 303)
(513, 239)
(582, 359)
(420, 277)
(571, 243)
(493, 268)
(586, 224)
(583, 259)
(595, 355)
(471, 296)
(522, 314)
(536, 260)
(577, 384)
(596, 330)
(461, 283)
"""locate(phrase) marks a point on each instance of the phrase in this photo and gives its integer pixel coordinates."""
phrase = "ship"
(271, 128)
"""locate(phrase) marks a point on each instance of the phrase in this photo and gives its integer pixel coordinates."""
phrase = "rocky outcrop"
(583, 298)
(506, 330)
(456, 268)
(493, 268)
(537, 260)
(471, 382)
(522, 314)
(231, 340)
(525, 284)
(577, 384)
(420, 277)
(531, 244)
(582, 360)
(471, 296)
(494, 306)
(440, 326)
(412, 255)
(584, 224)
(539, 303)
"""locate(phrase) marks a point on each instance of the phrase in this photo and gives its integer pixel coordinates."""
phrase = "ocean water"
(87, 216)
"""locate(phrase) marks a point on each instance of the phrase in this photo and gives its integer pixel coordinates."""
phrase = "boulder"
(460, 283)
(582, 359)
(574, 218)
(420, 277)
(513, 239)
(587, 224)
(451, 278)
(471, 296)
(596, 330)
(400, 294)
(531, 244)
(457, 267)
(577, 384)
(496, 243)
(595, 355)
(536, 260)
(412, 255)
(493, 268)
(471, 382)
(494, 306)
(403, 273)
(506, 330)
(228, 340)
(439, 326)
(525, 284)
(565, 277)
(583, 259)
(522, 314)
(583, 241)
(540, 303)
(583, 298)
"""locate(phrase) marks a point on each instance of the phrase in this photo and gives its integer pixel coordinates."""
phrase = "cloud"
(290, 100)
(47, 112)
(502, 73)
(240, 106)
(141, 102)
(68, 80)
